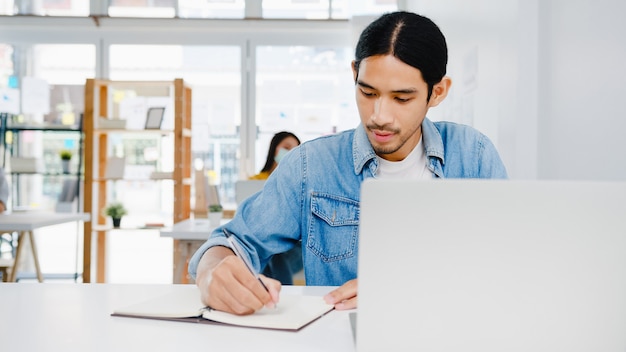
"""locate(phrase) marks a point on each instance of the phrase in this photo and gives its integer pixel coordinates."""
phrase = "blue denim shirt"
(314, 193)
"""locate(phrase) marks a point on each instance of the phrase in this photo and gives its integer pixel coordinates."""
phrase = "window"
(7, 78)
(142, 8)
(211, 9)
(44, 7)
(214, 73)
(308, 9)
(325, 9)
(306, 90)
(64, 67)
(233, 9)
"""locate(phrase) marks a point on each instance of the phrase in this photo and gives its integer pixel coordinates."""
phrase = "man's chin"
(383, 151)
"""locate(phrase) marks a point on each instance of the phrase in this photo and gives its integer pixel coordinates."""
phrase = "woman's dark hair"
(278, 137)
(413, 39)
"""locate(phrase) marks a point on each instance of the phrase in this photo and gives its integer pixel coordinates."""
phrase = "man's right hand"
(227, 285)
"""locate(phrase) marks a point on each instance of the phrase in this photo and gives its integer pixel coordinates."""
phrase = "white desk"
(190, 229)
(189, 235)
(26, 223)
(76, 317)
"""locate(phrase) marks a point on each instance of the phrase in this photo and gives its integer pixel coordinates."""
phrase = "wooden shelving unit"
(99, 103)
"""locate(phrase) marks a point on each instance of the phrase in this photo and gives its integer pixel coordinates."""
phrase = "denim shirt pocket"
(333, 227)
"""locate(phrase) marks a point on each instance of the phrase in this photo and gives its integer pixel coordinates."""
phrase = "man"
(313, 195)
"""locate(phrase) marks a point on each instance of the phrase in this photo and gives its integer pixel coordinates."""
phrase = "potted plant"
(66, 156)
(115, 210)
(215, 215)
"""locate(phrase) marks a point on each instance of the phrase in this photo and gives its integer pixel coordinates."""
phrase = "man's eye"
(402, 100)
(367, 94)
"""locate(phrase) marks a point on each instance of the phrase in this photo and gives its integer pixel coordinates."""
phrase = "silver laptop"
(470, 265)
(246, 188)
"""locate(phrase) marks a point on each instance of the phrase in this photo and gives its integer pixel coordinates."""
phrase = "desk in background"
(189, 235)
(28, 222)
(76, 317)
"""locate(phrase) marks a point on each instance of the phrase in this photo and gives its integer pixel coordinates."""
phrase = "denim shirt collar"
(363, 152)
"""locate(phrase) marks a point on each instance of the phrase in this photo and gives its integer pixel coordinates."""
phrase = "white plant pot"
(65, 166)
(215, 218)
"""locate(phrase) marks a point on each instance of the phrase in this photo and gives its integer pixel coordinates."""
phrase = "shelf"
(57, 174)
(43, 128)
(99, 104)
(127, 131)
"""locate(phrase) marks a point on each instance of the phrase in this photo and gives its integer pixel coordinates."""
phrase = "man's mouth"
(381, 136)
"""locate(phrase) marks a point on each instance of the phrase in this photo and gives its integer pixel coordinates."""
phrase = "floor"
(133, 256)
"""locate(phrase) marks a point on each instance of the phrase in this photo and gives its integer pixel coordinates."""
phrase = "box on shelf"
(115, 168)
(105, 123)
(161, 175)
(27, 164)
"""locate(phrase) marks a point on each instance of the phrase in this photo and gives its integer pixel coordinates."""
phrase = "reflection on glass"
(305, 90)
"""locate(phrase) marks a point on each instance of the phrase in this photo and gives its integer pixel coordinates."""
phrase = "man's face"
(391, 98)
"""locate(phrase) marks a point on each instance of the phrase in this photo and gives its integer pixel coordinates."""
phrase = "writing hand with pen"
(229, 283)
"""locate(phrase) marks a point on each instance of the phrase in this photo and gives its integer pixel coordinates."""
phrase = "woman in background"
(281, 143)
(282, 266)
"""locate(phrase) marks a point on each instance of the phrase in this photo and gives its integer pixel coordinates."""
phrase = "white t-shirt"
(412, 167)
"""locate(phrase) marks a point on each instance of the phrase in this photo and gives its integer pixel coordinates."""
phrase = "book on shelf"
(115, 168)
(69, 192)
(106, 123)
(161, 175)
(292, 313)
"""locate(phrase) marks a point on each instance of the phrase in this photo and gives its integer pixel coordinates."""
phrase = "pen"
(239, 253)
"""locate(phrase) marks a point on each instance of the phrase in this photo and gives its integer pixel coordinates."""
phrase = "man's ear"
(440, 91)
(355, 72)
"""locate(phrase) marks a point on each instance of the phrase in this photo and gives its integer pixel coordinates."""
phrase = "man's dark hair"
(413, 39)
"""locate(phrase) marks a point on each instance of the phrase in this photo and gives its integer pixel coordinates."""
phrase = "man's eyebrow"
(405, 91)
(398, 91)
(363, 84)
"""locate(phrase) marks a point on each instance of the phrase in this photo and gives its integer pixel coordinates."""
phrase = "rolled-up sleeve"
(215, 240)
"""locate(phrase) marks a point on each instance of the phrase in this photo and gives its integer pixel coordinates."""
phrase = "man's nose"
(382, 111)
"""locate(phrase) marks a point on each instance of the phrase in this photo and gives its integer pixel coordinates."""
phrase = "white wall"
(483, 58)
(549, 82)
(582, 90)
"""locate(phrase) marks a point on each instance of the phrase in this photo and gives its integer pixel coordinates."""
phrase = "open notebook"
(292, 313)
